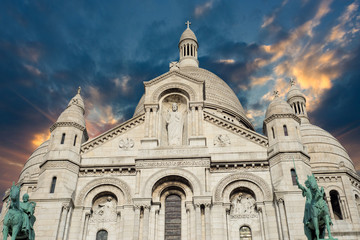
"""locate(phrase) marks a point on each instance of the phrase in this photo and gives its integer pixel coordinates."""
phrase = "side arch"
(329, 188)
(245, 180)
(104, 181)
(193, 180)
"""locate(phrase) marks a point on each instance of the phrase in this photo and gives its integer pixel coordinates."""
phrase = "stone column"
(259, 209)
(283, 219)
(154, 121)
(343, 207)
(198, 221)
(154, 213)
(147, 121)
(200, 120)
(119, 227)
(62, 221)
(227, 216)
(137, 222)
(70, 210)
(207, 221)
(145, 230)
(193, 121)
(328, 201)
(86, 223)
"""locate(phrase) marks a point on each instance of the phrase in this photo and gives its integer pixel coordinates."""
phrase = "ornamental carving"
(126, 143)
(104, 210)
(222, 140)
(242, 206)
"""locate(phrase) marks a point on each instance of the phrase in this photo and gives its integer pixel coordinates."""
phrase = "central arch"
(191, 178)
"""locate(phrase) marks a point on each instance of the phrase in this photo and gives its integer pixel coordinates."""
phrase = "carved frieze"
(161, 163)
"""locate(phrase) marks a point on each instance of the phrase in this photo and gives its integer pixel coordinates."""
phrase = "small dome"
(74, 112)
(188, 34)
(278, 106)
(294, 91)
(325, 150)
(32, 166)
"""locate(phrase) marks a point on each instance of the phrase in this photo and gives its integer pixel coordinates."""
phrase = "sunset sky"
(49, 48)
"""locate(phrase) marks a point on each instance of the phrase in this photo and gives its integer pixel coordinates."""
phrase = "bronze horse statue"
(19, 219)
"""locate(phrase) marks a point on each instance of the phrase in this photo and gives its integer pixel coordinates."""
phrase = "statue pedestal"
(198, 141)
(149, 143)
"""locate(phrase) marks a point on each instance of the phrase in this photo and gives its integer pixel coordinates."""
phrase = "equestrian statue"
(316, 215)
(19, 219)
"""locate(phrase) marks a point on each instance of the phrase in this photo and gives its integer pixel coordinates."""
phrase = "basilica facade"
(188, 165)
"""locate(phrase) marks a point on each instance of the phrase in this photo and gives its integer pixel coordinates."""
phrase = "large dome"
(324, 149)
(218, 95)
(32, 166)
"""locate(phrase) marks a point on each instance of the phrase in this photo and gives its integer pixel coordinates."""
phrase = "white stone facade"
(231, 182)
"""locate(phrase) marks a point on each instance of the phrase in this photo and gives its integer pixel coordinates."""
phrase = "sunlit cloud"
(339, 31)
(226, 61)
(201, 9)
(33, 70)
(39, 138)
(122, 83)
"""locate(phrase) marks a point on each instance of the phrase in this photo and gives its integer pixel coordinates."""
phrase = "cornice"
(287, 115)
(171, 73)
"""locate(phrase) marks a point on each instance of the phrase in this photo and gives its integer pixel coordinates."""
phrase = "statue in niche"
(174, 126)
(104, 209)
(242, 204)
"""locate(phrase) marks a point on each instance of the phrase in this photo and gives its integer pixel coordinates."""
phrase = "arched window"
(245, 233)
(188, 50)
(273, 132)
(293, 176)
(75, 140)
(335, 204)
(299, 107)
(63, 138)
(285, 131)
(102, 235)
(53, 184)
(172, 217)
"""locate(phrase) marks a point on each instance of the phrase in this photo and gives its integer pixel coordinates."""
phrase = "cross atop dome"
(276, 93)
(292, 81)
(188, 23)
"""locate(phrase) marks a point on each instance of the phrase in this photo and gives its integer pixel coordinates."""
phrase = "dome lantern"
(188, 48)
(297, 100)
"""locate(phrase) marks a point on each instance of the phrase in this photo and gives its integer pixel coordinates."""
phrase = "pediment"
(237, 130)
(113, 133)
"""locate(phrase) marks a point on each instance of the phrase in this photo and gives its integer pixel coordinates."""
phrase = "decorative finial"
(188, 23)
(79, 90)
(292, 81)
(276, 93)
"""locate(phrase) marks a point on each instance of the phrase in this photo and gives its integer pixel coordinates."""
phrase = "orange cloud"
(39, 138)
